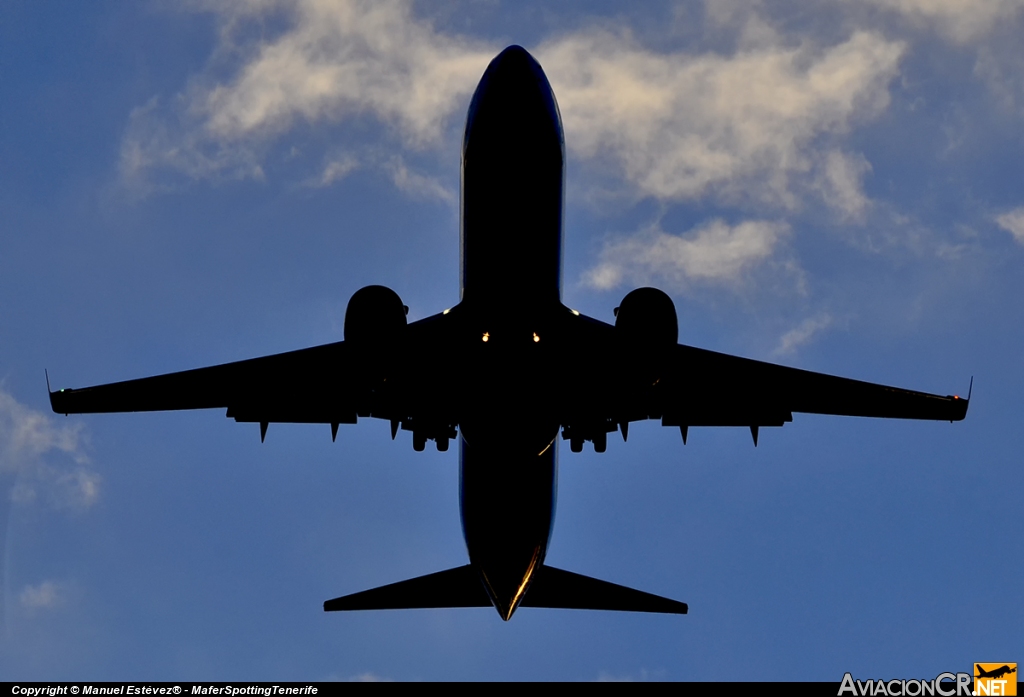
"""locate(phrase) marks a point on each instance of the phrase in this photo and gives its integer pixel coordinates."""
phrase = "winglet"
(52, 395)
(960, 413)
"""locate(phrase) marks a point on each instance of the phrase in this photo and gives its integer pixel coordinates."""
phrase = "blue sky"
(834, 185)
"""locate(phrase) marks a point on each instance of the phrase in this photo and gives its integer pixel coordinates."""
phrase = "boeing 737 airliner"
(508, 369)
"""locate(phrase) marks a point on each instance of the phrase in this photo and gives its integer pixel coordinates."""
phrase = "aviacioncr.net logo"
(995, 679)
(944, 685)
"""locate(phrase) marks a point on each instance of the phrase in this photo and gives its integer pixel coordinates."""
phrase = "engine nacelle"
(375, 317)
(646, 319)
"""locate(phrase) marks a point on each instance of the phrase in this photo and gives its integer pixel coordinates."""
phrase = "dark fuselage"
(511, 257)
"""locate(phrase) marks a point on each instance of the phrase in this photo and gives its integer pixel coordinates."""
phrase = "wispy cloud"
(643, 676)
(959, 20)
(1001, 67)
(418, 185)
(669, 125)
(802, 333)
(842, 184)
(1013, 223)
(46, 595)
(344, 58)
(369, 677)
(335, 61)
(27, 439)
(361, 677)
(335, 169)
(713, 252)
(680, 126)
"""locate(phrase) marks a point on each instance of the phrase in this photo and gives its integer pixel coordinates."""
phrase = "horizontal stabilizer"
(461, 587)
(458, 587)
(554, 588)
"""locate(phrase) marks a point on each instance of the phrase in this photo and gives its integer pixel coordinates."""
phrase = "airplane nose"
(515, 64)
(513, 99)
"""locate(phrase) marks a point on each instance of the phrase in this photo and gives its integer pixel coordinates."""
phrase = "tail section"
(554, 588)
(458, 587)
(461, 587)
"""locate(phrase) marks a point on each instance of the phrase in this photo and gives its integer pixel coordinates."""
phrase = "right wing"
(685, 386)
(705, 388)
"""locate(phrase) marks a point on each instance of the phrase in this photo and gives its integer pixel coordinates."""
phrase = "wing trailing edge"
(461, 587)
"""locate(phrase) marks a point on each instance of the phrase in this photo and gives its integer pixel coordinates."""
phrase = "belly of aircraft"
(507, 499)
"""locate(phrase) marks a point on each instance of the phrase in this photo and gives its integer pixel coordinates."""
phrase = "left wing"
(393, 377)
(322, 384)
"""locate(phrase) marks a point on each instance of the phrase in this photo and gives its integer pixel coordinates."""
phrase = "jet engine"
(647, 329)
(374, 328)
(646, 320)
(375, 317)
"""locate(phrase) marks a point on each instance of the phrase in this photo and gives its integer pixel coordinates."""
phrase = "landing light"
(487, 335)
(575, 312)
(447, 311)
(535, 338)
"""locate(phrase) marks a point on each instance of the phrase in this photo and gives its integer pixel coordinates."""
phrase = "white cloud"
(643, 676)
(681, 126)
(27, 437)
(336, 60)
(335, 169)
(153, 142)
(418, 185)
(338, 169)
(842, 184)
(1013, 223)
(1001, 67)
(348, 57)
(44, 596)
(672, 125)
(960, 20)
(369, 677)
(713, 252)
(802, 333)
(26, 434)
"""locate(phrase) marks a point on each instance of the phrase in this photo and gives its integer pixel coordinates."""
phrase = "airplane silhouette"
(994, 673)
(508, 368)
